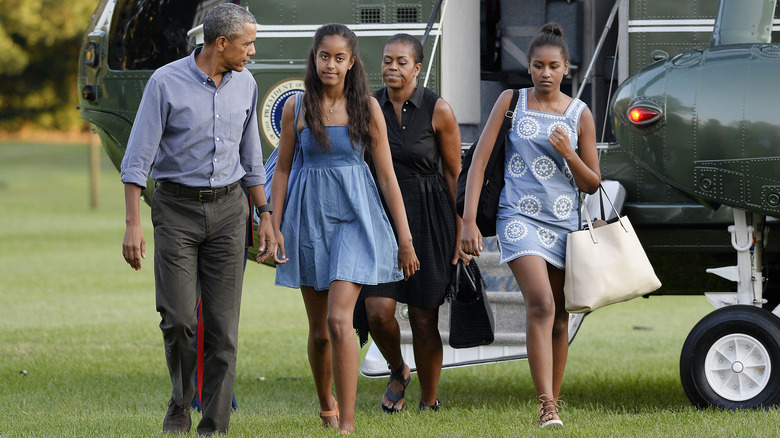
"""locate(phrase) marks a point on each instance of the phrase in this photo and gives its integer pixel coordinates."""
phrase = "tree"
(40, 43)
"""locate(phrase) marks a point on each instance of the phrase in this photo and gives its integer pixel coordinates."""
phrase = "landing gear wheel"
(731, 359)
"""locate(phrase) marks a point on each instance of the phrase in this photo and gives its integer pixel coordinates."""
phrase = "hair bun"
(552, 28)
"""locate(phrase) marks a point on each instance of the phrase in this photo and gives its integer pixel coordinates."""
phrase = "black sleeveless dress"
(416, 158)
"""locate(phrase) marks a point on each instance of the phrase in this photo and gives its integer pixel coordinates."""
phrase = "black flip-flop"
(398, 376)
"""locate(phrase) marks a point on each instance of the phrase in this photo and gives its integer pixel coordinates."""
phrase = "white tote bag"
(606, 265)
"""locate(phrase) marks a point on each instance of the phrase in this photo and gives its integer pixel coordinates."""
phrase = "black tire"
(740, 346)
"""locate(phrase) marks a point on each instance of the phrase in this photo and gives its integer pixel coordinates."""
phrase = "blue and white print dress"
(538, 205)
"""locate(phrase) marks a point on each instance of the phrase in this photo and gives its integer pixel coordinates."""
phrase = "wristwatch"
(265, 208)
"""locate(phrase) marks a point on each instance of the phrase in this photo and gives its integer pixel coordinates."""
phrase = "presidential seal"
(271, 108)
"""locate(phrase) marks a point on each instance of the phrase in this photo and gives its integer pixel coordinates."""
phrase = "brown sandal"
(333, 413)
(548, 413)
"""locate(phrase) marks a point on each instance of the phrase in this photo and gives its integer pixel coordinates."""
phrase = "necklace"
(331, 108)
(557, 109)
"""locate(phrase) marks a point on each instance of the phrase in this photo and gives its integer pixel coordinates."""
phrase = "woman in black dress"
(422, 130)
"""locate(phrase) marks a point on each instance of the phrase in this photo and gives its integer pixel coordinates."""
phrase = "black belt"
(202, 194)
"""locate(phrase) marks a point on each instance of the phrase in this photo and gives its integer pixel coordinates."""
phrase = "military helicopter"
(473, 51)
(700, 122)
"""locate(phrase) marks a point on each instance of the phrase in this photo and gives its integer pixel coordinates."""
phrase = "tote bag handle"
(602, 192)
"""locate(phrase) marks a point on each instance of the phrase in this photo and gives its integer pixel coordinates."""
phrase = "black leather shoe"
(177, 419)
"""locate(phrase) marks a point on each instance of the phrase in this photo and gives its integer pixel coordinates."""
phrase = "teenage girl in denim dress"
(333, 234)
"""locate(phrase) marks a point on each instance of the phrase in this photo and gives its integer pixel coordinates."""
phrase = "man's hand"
(134, 245)
(267, 239)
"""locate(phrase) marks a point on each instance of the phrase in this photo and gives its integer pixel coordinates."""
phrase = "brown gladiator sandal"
(548, 413)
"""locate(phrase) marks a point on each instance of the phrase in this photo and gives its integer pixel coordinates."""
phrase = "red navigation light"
(639, 115)
(642, 115)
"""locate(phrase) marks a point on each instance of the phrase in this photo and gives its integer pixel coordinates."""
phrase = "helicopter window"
(371, 14)
(409, 14)
(147, 34)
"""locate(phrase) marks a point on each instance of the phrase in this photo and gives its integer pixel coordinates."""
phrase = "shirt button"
(217, 138)
(216, 94)
(404, 109)
(217, 115)
(215, 160)
(212, 179)
(404, 127)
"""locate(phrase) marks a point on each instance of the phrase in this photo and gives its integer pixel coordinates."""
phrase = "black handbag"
(487, 206)
(471, 318)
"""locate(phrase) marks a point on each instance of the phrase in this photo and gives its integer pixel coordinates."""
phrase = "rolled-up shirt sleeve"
(145, 136)
(250, 149)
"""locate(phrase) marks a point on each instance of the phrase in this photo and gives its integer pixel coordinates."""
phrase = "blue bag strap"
(270, 164)
(297, 161)
(298, 103)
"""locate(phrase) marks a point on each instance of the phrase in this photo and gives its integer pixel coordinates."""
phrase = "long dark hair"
(551, 34)
(355, 90)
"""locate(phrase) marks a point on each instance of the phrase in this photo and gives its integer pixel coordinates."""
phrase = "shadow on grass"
(509, 384)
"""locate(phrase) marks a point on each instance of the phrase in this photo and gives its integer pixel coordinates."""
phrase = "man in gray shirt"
(198, 122)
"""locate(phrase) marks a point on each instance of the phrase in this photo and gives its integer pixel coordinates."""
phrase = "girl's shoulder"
(291, 101)
(372, 104)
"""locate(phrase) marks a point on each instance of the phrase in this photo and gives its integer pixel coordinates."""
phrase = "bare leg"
(560, 333)
(546, 332)
(341, 304)
(387, 336)
(427, 351)
(533, 279)
(319, 350)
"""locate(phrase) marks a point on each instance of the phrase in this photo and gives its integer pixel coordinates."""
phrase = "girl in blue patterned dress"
(550, 152)
(332, 230)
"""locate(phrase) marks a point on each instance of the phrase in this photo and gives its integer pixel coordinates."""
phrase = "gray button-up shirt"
(197, 134)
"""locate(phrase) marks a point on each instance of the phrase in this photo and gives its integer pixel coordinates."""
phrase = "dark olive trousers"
(202, 242)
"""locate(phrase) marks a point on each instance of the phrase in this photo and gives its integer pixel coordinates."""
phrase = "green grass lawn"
(83, 326)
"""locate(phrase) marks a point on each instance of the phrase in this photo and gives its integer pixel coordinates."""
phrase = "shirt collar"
(199, 75)
(383, 97)
(416, 98)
